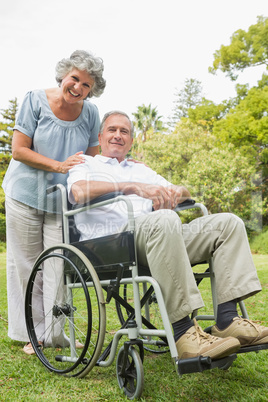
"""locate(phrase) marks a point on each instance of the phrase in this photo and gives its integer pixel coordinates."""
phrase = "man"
(167, 246)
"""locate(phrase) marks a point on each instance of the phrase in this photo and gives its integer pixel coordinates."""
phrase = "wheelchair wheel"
(130, 376)
(151, 316)
(65, 311)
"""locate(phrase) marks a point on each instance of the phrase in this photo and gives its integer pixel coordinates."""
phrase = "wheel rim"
(73, 324)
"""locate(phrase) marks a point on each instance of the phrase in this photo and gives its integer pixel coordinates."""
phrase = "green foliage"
(246, 127)
(2, 228)
(259, 243)
(207, 113)
(4, 162)
(6, 127)
(169, 154)
(224, 180)
(247, 48)
(219, 175)
(188, 97)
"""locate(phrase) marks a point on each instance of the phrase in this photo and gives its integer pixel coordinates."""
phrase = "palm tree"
(145, 118)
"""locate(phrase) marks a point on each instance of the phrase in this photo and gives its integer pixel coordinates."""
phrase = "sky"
(149, 47)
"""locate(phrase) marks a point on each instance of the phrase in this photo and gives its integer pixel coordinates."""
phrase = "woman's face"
(76, 85)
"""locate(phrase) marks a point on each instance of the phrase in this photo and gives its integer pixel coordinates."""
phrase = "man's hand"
(178, 194)
(162, 197)
(158, 194)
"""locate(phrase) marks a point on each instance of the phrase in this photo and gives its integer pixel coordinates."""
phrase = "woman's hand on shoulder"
(70, 162)
(135, 161)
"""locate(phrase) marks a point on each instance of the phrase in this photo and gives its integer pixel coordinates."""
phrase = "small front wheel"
(130, 376)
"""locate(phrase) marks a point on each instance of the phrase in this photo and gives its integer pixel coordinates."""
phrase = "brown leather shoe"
(196, 342)
(249, 333)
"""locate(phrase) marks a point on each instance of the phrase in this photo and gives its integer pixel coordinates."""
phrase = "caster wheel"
(130, 379)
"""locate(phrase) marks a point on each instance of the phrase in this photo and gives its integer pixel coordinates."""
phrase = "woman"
(53, 130)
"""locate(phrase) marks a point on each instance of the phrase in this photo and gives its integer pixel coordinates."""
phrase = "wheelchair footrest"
(253, 348)
(201, 363)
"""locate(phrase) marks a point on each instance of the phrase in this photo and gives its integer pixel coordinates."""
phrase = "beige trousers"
(29, 232)
(169, 248)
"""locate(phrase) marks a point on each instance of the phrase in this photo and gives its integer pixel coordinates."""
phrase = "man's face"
(116, 140)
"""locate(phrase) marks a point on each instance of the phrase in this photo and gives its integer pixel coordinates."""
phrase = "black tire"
(132, 381)
(73, 328)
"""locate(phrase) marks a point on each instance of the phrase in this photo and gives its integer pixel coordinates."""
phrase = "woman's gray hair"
(115, 112)
(83, 61)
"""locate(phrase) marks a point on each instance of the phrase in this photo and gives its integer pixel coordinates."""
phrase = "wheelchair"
(70, 339)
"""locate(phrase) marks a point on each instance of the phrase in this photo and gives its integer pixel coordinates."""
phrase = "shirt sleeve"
(27, 118)
(77, 173)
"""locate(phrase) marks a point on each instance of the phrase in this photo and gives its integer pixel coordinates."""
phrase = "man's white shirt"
(112, 218)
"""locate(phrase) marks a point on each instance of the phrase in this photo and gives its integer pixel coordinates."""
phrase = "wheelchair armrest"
(52, 189)
(190, 204)
(187, 204)
(104, 197)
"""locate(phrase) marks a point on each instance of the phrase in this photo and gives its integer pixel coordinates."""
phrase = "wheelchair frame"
(74, 273)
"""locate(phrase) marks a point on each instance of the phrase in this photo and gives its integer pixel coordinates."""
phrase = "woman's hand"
(21, 151)
(72, 161)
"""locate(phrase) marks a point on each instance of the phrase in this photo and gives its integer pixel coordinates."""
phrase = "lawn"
(24, 378)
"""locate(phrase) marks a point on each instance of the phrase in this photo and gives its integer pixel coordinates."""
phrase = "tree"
(220, 176)
(6, 127)
(246, 126)
(225, 181)
(4, 162)
(247, 48)
(208, 112)
(144, 119)
(170, 154)
(186, 98)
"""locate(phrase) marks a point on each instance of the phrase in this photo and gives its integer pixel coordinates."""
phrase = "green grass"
(259, 243)
(24, 378)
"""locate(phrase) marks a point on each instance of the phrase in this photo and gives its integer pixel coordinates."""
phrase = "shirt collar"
(113, 161)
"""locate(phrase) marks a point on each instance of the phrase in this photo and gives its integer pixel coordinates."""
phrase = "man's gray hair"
(115, 112)
(83, 61)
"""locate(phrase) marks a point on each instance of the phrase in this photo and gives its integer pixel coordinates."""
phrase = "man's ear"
(99, 137)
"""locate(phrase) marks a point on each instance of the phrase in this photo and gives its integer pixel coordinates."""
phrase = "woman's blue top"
(57, 139)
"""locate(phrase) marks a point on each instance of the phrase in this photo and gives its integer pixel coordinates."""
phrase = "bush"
(2, 228)
(259, 243)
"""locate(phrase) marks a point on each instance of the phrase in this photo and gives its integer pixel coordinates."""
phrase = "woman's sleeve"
(27, 119)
